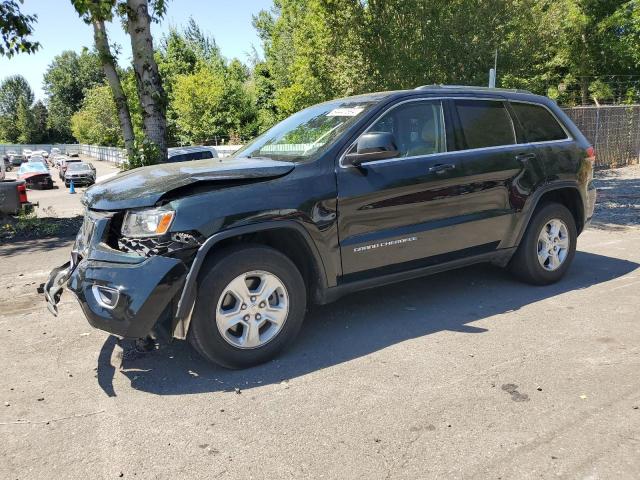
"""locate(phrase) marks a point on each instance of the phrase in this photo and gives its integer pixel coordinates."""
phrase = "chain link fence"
(614, 131)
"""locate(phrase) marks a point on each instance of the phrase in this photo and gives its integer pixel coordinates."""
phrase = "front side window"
(484, 123)
(417, 128)
(538, 123)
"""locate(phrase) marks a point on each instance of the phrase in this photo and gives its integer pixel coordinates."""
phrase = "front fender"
(187, 300)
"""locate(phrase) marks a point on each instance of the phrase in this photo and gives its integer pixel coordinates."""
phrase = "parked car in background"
(6, 162)
(64, 164)
(41, 153)
(186, 154)
(56, 160)
(81, 173)
(16, 159)
(38, 159)
(72, 152)
(27, 153)
(36, 175)
(55, 151)
(13, 194)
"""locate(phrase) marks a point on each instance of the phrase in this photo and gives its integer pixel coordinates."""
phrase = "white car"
(55, 151)
(42, 153)
(27, 153)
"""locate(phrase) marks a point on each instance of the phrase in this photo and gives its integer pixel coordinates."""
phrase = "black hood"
(143, 187)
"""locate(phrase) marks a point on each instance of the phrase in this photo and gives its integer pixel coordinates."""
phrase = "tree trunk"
(148, 82)
(109, 67)
(584, 90)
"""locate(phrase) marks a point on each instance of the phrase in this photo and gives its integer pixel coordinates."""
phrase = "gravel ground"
(618, 198)
(466, 374)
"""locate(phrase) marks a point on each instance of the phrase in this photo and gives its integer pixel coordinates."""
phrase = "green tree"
(12, 89)
(40, 116)
(213, 102)
(97, 121)
(24, 121)
(66, 81)
(15, 29)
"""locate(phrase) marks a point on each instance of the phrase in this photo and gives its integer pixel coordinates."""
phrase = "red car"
(36, 175)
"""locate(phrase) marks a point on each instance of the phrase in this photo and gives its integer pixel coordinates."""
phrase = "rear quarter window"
(484, 123)
(538, 123)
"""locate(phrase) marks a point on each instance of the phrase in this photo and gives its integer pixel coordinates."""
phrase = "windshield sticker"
(345, 112)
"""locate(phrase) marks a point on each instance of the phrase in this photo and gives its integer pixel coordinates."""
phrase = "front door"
(394, 214)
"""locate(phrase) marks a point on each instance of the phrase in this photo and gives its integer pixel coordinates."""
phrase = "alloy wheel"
(252, 309)
(553, 244)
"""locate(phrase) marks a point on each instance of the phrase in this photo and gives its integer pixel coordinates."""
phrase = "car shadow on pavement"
(360, 324)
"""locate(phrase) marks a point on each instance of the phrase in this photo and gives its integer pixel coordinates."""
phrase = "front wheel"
(548, 246)
(250, 305)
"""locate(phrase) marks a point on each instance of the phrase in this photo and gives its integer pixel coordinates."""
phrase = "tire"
(526, 265)
(237, 348)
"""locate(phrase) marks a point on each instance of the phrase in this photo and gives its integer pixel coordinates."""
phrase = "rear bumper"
(591, 196)
(80, 180)
(139, 292)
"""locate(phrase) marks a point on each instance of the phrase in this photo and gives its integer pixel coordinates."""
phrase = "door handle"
(441, 168)
(525, 157)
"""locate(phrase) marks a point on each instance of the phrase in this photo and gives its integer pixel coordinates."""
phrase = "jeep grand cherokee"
(345, 195)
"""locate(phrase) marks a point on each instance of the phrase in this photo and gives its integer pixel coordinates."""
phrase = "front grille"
(167, 245)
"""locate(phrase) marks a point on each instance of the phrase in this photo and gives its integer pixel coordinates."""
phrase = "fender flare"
(187, 301)
(535, 200)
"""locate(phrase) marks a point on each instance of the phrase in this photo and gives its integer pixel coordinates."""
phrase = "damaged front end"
(123, 284)
(134, 251)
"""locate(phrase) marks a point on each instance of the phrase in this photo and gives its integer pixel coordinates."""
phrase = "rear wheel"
(548, 246)
(250, 305)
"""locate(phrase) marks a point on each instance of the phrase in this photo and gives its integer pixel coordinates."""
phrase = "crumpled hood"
(143, 187)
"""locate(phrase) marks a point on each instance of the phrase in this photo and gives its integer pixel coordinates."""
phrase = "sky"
(59, 28)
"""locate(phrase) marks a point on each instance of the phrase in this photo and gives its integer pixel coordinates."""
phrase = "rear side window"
(538, 123)
(484, 123)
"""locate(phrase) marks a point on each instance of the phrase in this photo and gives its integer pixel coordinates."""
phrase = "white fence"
(108, 154)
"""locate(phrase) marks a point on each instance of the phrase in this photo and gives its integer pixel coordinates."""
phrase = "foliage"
(40, 117)
(213, 102)
(208, 96)
(66, 81)
(97, 121)
(321, 49)
(24, 121)
(15, 29)
(12, 89)
(146, 153)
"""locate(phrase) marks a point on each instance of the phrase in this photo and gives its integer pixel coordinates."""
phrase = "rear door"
(546, 136)
(499, 169)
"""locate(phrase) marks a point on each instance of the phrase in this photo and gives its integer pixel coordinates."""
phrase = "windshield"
(79, 166)
(36, 167)
(308, 132)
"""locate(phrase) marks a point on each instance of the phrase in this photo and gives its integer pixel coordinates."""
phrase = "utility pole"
(493, 72)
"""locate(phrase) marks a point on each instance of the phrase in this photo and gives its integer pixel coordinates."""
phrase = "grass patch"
(28, 226)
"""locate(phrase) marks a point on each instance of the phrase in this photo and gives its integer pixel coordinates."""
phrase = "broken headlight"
(147, 223)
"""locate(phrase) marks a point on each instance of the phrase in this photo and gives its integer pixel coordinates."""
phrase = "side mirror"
(373, 146)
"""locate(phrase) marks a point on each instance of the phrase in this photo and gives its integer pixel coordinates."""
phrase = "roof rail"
(470, 87)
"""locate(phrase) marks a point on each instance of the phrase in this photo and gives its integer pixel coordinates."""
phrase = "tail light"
(22, 193)
(591, 154)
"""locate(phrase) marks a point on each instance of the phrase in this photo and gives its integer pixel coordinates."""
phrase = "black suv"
(346, 195)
